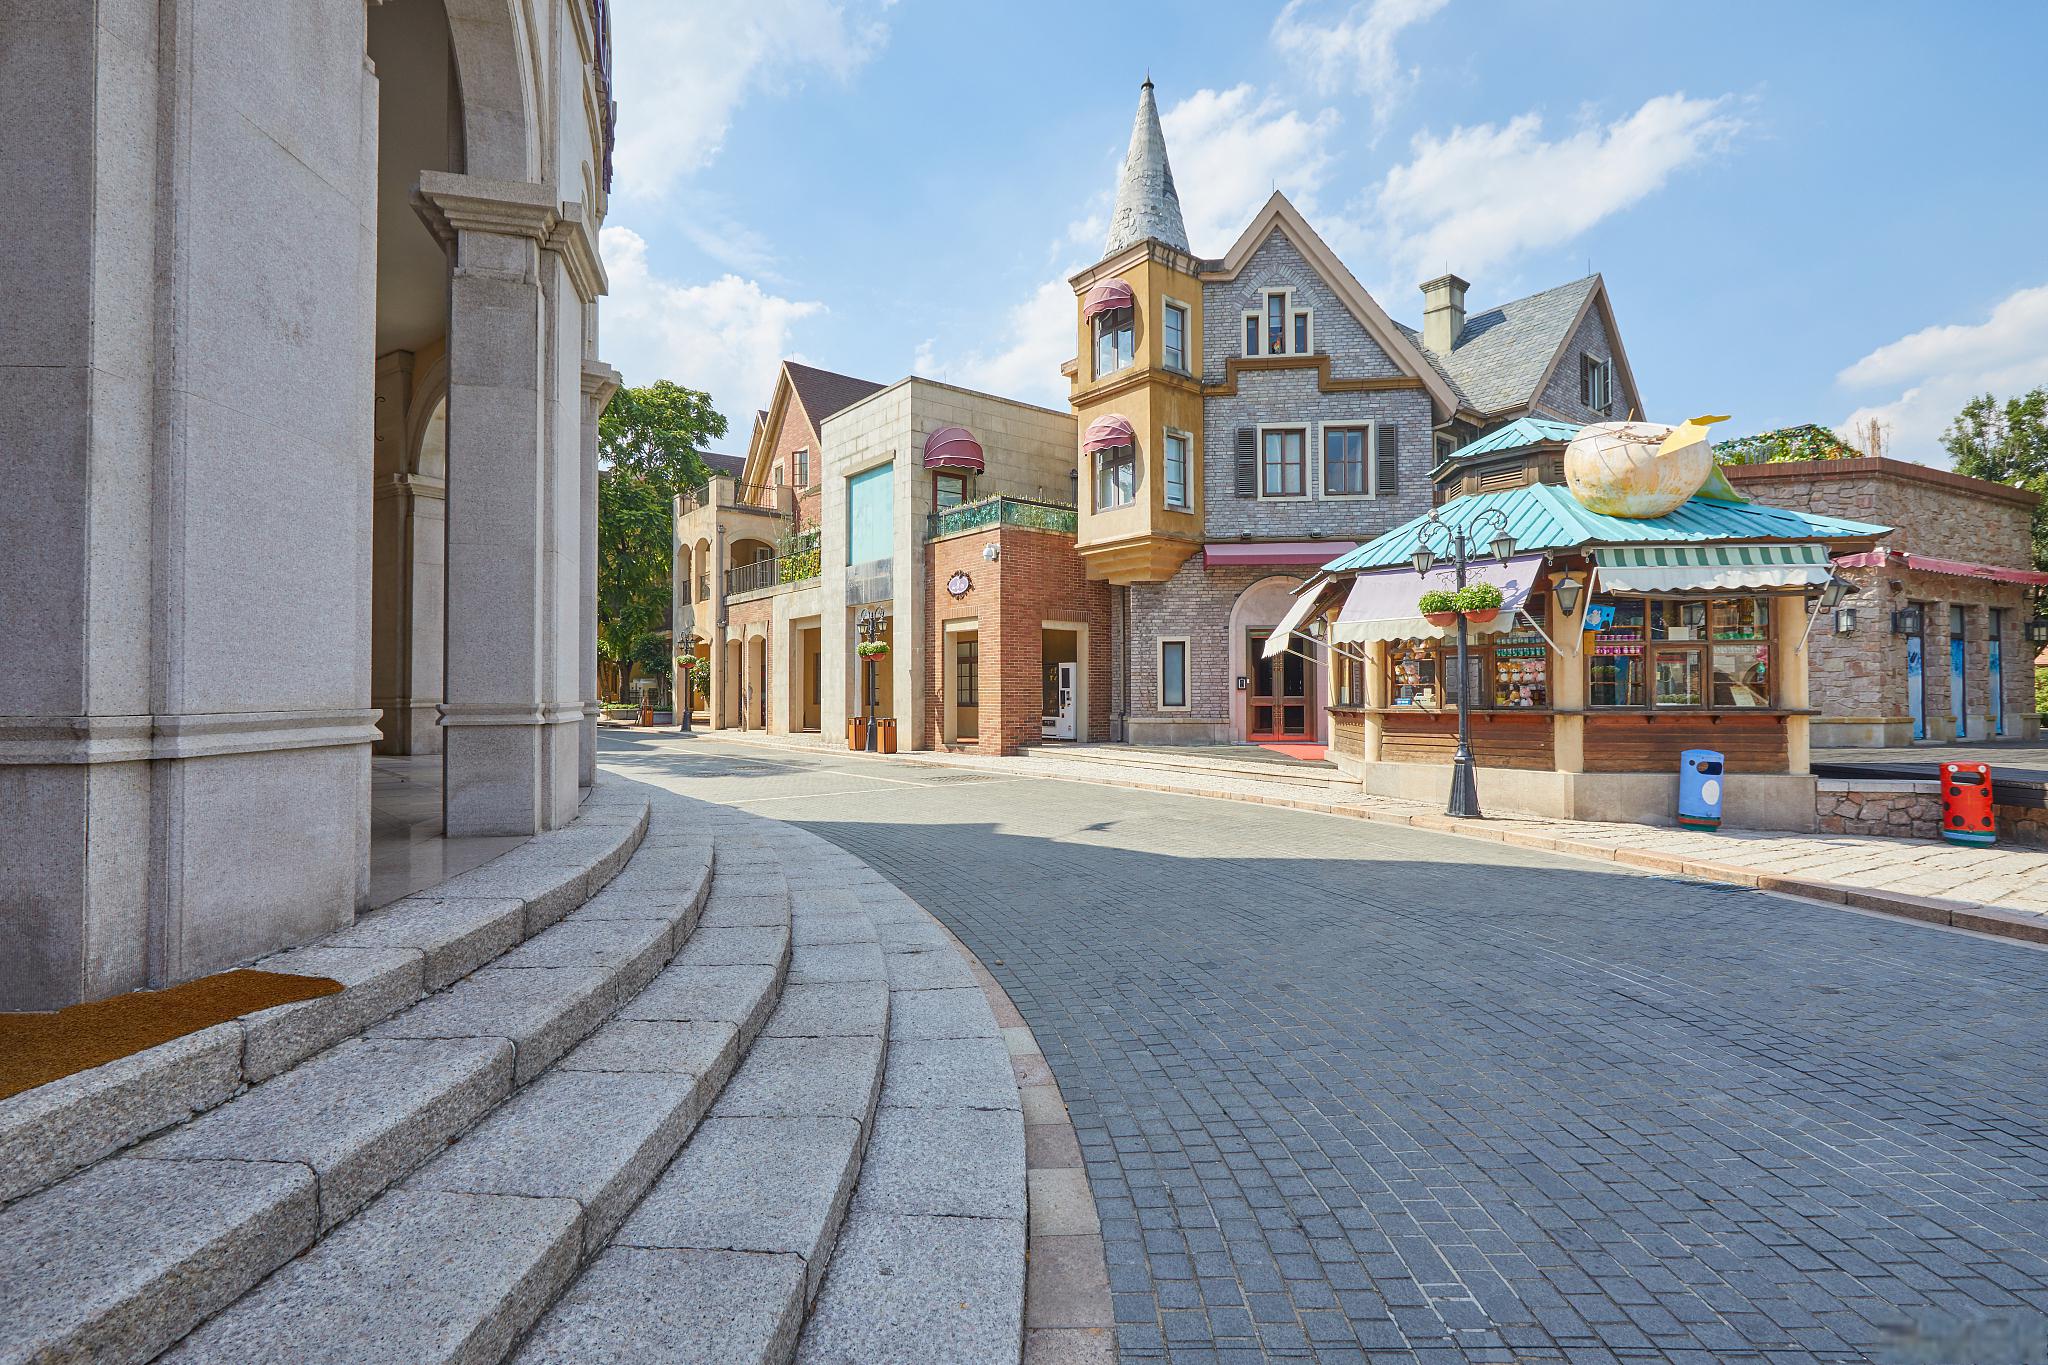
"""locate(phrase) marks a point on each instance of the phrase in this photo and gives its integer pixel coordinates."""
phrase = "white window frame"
(1187, 473)
(1372, 461)
(1174, 305)
(1095, 340)
(1095, 479)
(1595, 367)
(1311, 467)
(1256, 317)
(1187, 674)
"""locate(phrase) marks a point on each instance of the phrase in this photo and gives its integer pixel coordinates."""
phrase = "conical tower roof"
(1146, 203)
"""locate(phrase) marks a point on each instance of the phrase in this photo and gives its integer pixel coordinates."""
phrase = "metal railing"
(750, 577)
(1002, 510)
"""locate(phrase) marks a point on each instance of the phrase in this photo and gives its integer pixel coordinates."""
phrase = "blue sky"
(1804, 211)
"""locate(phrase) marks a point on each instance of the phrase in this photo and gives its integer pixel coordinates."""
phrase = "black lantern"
(2037, 631)
(1906, 621)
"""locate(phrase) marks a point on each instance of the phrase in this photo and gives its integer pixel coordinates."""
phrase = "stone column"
(1568, 680)
(600, 382)
(523, 264)
(406, 575)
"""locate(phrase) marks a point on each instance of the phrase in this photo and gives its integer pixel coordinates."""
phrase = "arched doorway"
(1283, 702)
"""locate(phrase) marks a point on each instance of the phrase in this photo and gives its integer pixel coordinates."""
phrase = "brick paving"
(1352, 1091)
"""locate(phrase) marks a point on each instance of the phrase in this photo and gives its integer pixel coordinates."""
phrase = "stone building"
(944, 513)
(1956, 666)
(1245, 419)
(299, 425)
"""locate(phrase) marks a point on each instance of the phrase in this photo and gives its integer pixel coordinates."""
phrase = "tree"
(1807, 442)
(2006, 443)
(649, 441)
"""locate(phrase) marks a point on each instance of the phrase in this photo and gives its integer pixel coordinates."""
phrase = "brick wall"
(1932, 512)
(1294, 397)
(1561, 395)
(1194, 605)
(1036, 578)
(796, 433)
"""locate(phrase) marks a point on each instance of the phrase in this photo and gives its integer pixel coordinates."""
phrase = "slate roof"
(723, 464)
(1501, 354)
(1546, 517)
(823, 393)
(1147, 205)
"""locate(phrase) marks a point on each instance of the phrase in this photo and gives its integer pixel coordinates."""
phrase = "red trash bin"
(1966, 814)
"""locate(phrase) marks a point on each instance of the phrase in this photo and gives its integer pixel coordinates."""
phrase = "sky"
(1804, 211)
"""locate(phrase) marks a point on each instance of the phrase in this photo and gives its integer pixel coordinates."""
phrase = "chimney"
(1443, 312)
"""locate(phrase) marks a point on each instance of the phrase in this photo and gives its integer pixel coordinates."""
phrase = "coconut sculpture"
(1643, 469)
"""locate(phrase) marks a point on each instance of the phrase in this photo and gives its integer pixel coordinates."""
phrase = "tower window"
(1174, 333)
(1116, 335)
(1116, 477)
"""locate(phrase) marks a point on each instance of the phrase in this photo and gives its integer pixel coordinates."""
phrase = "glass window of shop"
(1510, 669)
(1680, 653)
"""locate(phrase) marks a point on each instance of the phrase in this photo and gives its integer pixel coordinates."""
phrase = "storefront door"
(1058, 720)
(1277, 705)
(1994, 666)
(1916, 682)
(1957, 700)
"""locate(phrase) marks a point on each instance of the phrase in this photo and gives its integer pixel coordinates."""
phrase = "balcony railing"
(750, 577)
(1002, 511)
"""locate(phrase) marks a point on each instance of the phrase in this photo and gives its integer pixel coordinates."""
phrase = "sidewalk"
(2002, 891)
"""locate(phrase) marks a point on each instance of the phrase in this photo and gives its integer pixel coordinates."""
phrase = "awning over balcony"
(1105, 432)
(1105, 296)
(1313, 553)
(1954, 568)
(953, 448)
(1382, 605)
(1710, 568)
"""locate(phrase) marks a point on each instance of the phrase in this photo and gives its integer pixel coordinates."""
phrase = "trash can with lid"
(1699, 788)
(1966, 814)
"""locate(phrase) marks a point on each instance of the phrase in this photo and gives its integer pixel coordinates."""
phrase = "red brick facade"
(1037, 577)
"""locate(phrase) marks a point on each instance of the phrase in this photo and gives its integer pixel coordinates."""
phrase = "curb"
(1981, 919)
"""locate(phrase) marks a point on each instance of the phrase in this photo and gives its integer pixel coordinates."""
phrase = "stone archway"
(1262, 604)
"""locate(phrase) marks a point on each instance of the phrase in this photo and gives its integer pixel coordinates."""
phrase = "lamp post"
(1457, 544)
(869, 623)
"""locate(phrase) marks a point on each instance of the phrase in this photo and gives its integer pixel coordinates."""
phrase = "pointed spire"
(1146, 203)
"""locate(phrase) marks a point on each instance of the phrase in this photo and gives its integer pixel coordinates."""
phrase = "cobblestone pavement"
(1352, 1091)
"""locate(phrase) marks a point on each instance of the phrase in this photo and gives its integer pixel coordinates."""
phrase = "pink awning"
(1954, 568)
(952, 448)
(1105, 296)
(1315, 553)
(1105, 432)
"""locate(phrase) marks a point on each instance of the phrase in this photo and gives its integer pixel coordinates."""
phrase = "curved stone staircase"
(677, 1083)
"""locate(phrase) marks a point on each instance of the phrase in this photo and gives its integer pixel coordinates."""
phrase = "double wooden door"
(1278, 700)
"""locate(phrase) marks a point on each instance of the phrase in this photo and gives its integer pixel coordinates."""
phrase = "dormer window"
(1276, 324)
(1596, 384)
(1116, 335)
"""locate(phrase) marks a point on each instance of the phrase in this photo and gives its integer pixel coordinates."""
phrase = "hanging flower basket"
(1481, 617)
(1480, 602)
(1440, 618)
(872, 649)
(1438, 606)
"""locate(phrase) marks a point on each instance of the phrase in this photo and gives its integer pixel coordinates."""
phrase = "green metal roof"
(1523, 431)
(1547, 517)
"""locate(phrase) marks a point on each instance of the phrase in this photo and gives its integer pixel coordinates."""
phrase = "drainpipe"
(1120, 732)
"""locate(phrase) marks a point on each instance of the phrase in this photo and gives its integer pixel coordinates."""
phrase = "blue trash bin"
(1699, 789)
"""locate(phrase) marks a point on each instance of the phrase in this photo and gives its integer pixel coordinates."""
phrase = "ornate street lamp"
(1458, 545)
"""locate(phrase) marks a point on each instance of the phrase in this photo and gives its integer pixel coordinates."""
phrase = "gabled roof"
(1399, 344)
(1523, 431)
(823, 392)
(1546, 517)
(1147, 205)
(1502, 356)
(730, 465)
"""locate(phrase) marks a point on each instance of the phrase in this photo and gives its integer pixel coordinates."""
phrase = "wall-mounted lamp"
(991, 552)
(1906, 621)
(1831, 596)
(1845, 620)
(2037, 631)
(1567, 590)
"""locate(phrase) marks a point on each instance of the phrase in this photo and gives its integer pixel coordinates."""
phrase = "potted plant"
(1439, 606)
(872, 649)
(1480, 602)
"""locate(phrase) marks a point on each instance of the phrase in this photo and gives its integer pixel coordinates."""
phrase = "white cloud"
(1230, 150)
(680, 70)
(1040, 332)
(1430, 214)
(1936, 370)
(1355, 52)
(725, 336)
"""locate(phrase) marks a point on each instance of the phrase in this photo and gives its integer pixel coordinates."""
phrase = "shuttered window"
(1247, 471)
(1387, 464)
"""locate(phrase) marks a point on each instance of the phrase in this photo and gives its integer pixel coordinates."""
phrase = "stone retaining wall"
(1910, 810)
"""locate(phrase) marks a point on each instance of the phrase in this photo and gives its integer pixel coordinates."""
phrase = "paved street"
(1352, 1091)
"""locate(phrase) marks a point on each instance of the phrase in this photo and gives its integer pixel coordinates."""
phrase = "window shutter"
(1586, 380)
(1247, 462)
(1386, 459)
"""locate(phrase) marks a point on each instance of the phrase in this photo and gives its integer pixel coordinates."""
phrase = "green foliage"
(2006, 443)
(796, 557)
(872, 649)
(651, 656)
(648, 440)
(1436, 600)
(2041, 690)
(1805, 442)
(1478, 597)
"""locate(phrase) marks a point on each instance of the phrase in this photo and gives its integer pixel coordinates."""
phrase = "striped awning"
(1106, 296)
(1711, 568)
